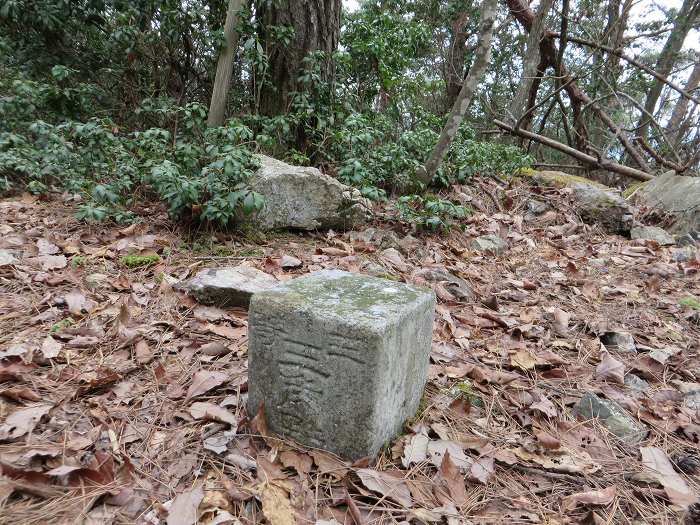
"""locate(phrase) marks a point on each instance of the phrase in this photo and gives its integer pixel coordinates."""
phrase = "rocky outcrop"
(303, 198)
(676, 195)
(595, 202)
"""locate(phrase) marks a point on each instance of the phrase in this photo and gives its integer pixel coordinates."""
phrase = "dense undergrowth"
(97, 118)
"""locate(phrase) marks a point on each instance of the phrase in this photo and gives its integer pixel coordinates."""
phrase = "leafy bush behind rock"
(196, 171)
(56, 134)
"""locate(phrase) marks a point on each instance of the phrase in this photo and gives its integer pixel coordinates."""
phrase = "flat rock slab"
(492, 244)
(303, 198)
(653, 233)
(231, 286)
(339, 360)
(613, 417)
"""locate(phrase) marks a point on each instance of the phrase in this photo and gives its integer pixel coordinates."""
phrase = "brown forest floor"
(123, 401)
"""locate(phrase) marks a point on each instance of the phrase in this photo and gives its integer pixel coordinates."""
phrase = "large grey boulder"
(303, 198)
(676, 195)
(339, 360)
(232, 286)
(612, 416)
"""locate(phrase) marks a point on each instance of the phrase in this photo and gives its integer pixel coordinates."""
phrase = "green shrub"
(430, 213)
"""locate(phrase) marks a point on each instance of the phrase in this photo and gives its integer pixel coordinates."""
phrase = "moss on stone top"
(341, 294)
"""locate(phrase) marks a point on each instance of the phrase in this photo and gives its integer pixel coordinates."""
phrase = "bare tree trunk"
(217, 107)
(531, 61)
(673, 127)
(459, 109)
(316, 26)
(684, 21)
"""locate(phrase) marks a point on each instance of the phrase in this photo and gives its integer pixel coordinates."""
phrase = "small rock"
(652, 233)
(636, 383)
(375, 269)
(289, 262)
(231, 286)
(536, 207)
(7, 258)
(603, 206)
(96, 280)
(457, 286)
(692, 400)
(382, 239)
(489, 244)
(612, 416)
(620, 341)
(684, 254)
(661, 355)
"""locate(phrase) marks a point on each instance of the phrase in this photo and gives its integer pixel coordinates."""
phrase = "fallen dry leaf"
(78, 304)
(523, 359)
(52, 262)
(592, 497)
(276, 506)
(46, 247)
(482, 469)
(659, 467)
(143, 352)
(203, 381)
(213, 412)
(416, 450)
(547, 440)
(23, 421)
(438, 448)
(183, 510)
(50, 347)
(451, 476)
(611, 369)
(302, 463)
(389, 486)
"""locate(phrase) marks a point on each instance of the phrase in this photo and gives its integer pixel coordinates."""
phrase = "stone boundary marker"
(339, 360)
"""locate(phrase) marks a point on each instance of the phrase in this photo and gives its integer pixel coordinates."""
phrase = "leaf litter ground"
(122, 401)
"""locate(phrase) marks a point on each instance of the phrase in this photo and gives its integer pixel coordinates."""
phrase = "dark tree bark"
(316, 25)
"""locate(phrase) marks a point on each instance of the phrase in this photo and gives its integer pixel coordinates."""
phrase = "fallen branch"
(578, 155)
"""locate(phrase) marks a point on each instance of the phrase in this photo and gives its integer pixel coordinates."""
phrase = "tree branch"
(578, 155)
(634, 62)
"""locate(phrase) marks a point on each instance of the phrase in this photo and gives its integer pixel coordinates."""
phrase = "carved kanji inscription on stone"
(339, 360)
